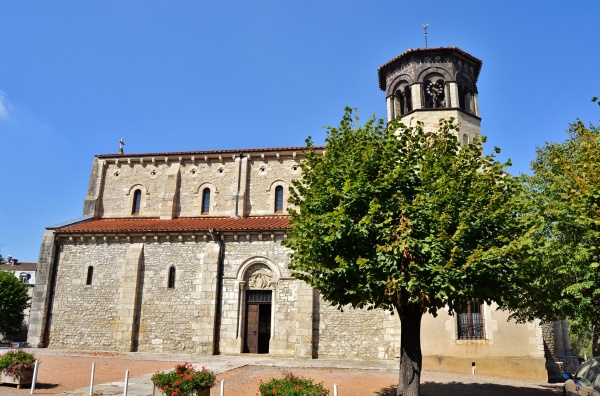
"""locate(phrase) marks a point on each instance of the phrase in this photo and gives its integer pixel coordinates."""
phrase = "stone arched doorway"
(258, 297)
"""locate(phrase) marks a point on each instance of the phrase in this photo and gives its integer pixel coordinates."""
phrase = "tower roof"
(452, 50)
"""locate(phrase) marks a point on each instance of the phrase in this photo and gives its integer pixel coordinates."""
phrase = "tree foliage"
(395, 218)
(563, 272)
(13, 302)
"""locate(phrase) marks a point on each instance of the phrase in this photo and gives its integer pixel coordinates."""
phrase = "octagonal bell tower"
(432, 83)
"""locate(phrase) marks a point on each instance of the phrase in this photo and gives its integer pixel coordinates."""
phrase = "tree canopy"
(396, 218)
(563, 274)
(13, 302)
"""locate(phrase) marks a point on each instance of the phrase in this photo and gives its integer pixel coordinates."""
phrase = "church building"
(182, 252)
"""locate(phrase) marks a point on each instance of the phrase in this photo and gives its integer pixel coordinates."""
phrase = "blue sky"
(76, 76)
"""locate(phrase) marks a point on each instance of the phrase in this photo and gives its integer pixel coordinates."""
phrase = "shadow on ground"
(43, 385)
(462, 389)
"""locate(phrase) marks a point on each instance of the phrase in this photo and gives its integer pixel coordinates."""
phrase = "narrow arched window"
(137, 200)
(171, 281)
(465, 140)
(90, 274)
(205, 201)
(279, 199)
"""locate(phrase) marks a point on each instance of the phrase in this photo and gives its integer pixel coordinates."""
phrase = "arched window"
(279, 199)
(466, 93)
(465, 140)
(171, 281)
(90, 274)
(137, 200)
(205, 201)
(435, 95)
(402, 100)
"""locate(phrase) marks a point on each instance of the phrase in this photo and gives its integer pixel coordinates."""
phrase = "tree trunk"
(410, 352)
(596, 339)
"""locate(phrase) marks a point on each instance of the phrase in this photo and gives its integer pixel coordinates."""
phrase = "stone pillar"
(170, 196)
(304, 326)
(240, 203)
(91, 205)
(41, 307)
(390, 108)
(128, 303)
(475, 99)
(417, 100)
(207, 304)
(452, 95)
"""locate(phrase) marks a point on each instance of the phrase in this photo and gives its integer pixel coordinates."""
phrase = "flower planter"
(26, 378)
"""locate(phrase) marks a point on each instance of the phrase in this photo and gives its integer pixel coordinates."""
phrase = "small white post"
(92, 378)
(222, 387)
(473, 367)
(335, 390)
(34, 379)
(126, 382)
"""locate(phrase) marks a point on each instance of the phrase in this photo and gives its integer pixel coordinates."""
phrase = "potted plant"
(16, 367)
(291, 385)
(185, 381)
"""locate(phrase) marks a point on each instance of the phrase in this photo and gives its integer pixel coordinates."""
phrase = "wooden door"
(251, 340)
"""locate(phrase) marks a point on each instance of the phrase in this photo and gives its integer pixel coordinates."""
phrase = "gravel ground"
(59, 374)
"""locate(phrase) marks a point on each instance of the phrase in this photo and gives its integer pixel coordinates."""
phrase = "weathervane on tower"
(425, 27)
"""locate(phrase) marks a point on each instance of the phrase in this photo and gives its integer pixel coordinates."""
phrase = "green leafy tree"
(398, 219)
(563, 274)
(13, 302)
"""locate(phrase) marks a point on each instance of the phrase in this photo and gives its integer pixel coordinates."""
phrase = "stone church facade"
(182, 251)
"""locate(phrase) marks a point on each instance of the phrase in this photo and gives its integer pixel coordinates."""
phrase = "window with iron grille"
(470, 321)
(258, 296)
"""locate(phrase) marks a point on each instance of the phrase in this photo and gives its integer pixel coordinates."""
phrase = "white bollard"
(34, 379)
(222, 387)
(126, 382)
(92, 378)
(335, 390)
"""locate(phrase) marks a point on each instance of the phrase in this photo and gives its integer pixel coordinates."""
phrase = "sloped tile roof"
(382, 70)
(21, 266)
(211, 152)
(182, 224)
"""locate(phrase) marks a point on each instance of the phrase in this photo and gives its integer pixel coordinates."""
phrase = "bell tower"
(428, 84)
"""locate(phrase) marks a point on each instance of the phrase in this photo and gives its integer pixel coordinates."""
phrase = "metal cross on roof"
(425, 27)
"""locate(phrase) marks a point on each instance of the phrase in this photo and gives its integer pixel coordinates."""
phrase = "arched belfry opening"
(428, 84)
(260, 284)
(434, 92)
(402, 99)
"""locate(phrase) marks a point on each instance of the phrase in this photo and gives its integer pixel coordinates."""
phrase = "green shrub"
(184, 380)
(291, 385)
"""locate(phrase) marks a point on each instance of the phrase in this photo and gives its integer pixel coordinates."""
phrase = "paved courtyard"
(68, 373)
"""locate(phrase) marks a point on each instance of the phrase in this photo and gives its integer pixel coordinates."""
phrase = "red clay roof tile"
(181, 224)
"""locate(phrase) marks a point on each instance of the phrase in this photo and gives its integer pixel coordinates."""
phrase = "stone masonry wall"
(178, 319)
(257, 179)
(265, 175)
(356, 333)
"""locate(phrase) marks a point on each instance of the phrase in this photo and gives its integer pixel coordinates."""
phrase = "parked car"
(586, 381)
